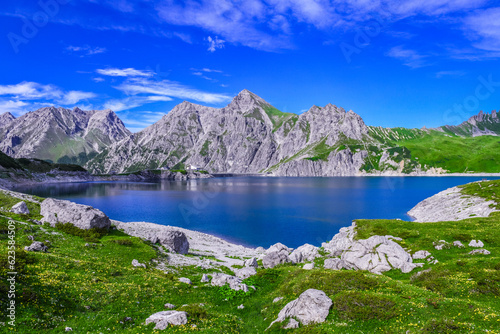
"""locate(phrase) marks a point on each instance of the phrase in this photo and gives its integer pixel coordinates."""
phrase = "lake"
(256, 211)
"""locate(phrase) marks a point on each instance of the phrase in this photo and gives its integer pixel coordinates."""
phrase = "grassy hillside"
(95, 289)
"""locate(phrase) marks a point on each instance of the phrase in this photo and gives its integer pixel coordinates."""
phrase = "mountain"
(478, 125)
(60, 135)
(247, 136)
(6, 119)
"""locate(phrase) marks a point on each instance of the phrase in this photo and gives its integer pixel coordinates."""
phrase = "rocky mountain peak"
(246, 100)
(5, 119)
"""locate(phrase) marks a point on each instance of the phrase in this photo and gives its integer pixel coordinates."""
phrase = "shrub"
(441, 326)
(364, 306)
(433, 280)
(194, 311)
(90, 235)
(123, 242)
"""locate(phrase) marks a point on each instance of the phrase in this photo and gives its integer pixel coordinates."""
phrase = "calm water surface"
(256, 211)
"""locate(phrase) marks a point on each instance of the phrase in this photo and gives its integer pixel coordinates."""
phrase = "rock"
(420, 273)
(312, 306)
(260, 249)
(308, 266)
(458, 244)
(480, 251)
(449, 205)
(277, 299)
(68, 329)
(245, 272)
(441, 244)
(36, 246)
(241, 307)
(272, 259)
(291, 324)
(251, 263)
(235, 283)
(82, 216)
(164, 318)
(341, 241)
(279, 247)
(305, 252)
(476, 243)
(174, 241)
(136, 263)
(421, 255)
(170, 306)
(20, 208)
(205, 279)
(334, 264)
(30, 237)
(378, 254)
(185, 280)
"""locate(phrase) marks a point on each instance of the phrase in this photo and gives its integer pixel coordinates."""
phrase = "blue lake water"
(256, 211)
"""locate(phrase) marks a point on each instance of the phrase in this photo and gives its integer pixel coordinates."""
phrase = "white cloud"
(133, 102)
(136, 121)
(442, 74)
(209, 70)
(135, 86)
(86, 50)
(215, 43)
(98, 79)
(14, 107)
(484, 28)
(410, 58)
(75, 96)
(125, 72)
(31, 90)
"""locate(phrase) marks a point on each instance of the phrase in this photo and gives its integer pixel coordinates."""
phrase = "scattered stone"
(185, 280)
(458, 244)
(334, 264)
(241, 307)
(136, 263)
(341, 241)
(272, 259)
(20, 208)
(308, 266)
(260, 249)
(291, 324)
(421, 255)
(480, 251)
(251, 263)
(68, 329)
(245, 272)
(279, 247)
(164, 318)
(36, 246)
(305, 252)
(205, 279)
(82, 216)
(420, 273)
(441, 244)
(235, 283)
(277, 299)
(30, 237)
(476, 243)
(312, 306)
(169, 306)
(174, 241)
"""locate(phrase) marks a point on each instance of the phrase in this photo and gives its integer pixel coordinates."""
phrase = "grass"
(96, 289)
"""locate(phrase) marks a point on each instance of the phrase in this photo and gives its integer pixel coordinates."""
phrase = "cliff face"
(60, 134)
(478, 125)
(247, 136)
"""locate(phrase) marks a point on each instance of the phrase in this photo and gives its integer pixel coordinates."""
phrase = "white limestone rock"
(476, 244)
(165, 318)
(82, 216)
(20, 208)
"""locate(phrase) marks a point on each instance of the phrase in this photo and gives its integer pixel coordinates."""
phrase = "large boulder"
(82, 216)
(245, 272)
(235, 283)
(164, 318)
(20, 208)
(279, 247)
(334, 264)
(341, 241)
(36, 246)
(303, 253)
(272, 259)
(378, 254)
(175, 241)
(312, 306)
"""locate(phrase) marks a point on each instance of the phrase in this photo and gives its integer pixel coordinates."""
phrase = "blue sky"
(395, 63)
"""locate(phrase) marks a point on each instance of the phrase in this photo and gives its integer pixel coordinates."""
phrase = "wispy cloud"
(133, 102)
(98, 79)
(75, 96)
(86, 50)
(124, 72)
(137, 120)
(483, 27)
(442, 74)
(215, 43)
(135, 86)
(410, 58)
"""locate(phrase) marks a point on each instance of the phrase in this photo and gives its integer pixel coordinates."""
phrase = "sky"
(395, 63)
